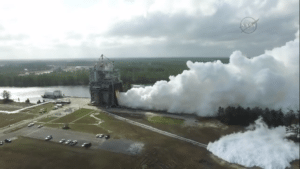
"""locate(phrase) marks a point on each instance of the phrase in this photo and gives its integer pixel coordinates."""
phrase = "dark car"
(73, 143)
(107, 136)
(86, 145)
(7, 140)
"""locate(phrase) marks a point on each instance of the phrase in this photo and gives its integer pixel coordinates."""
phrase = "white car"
(62, 140)
(40, 126)
(99, 135)
(30, 124)
(48, 137)
(68, 142)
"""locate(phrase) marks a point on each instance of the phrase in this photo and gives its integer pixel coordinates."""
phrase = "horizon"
(90, 59)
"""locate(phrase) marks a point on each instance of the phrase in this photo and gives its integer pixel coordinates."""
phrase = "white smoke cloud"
(263, 147)
(269, 80)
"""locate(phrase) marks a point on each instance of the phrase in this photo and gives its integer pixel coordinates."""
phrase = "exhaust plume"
(269, 80)
(263, 147)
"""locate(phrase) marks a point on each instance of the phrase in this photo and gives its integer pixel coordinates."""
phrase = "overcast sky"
(43, 29)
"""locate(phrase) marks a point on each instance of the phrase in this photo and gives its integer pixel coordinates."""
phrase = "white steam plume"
(269, 80)
(263, 147)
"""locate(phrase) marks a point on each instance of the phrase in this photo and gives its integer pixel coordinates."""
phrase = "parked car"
(86, 144)
(99, 135)
(1, 142)
(74, 142)
(62, 140)
(68, 142)
(7, 140)
(48, 137)
(40, 126)
(107, 136)
(30, 124)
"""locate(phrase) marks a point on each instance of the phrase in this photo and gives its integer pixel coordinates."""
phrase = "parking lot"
(114, 145)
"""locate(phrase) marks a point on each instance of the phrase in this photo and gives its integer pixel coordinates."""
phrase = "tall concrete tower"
(105, 83)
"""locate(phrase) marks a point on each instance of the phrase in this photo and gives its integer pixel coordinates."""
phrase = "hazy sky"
(38, 29)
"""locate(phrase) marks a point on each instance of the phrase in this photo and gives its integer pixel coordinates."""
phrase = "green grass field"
(175, 126)
(86, 120)
(47, 119)
(8, 119)
(73, 116)
(159, 151)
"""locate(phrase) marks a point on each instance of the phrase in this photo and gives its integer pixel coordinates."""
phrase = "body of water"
(35, 93)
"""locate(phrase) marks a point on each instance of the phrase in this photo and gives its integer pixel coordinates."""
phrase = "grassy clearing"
(12, 106)
(73, 116)
(8, 119)
(37, 110)
(165, 120)
(86, 120)
(200, 134)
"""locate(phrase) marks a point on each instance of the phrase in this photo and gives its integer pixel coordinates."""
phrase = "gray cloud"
(163, 34)
(221, 30)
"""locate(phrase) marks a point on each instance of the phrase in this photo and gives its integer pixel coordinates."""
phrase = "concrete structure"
(105, 83)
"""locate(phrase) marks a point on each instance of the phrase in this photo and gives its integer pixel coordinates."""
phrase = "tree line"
(243, 117)
(79, 77)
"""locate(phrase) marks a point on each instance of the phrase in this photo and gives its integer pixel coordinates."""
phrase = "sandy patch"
(212, 125)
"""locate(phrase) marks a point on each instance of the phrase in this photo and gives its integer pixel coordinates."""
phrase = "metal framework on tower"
(105, 83)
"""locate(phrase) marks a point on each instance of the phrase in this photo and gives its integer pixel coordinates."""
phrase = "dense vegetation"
(132, 71)
(79, 77)
(243, 117)
(15, 68)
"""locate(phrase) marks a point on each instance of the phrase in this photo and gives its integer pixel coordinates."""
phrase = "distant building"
(53, 95)
(105, 83)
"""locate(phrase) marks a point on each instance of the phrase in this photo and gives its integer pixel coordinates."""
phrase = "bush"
(27, 101)
(6, 95)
